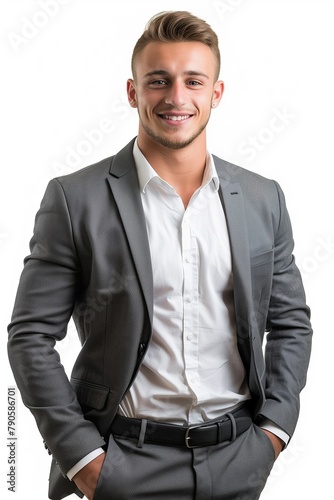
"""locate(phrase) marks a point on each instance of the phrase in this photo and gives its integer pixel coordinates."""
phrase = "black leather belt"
(230, 426)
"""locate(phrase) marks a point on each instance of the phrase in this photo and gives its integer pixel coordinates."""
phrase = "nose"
(175, 95)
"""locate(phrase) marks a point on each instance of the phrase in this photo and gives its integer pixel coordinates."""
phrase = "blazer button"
(141, 349)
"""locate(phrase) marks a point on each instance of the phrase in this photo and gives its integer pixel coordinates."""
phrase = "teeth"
(175, 118)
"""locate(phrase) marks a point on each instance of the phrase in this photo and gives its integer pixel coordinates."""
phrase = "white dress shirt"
(192, 371)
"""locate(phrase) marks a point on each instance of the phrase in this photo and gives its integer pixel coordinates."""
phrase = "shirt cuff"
(268, 425)
(84, 461)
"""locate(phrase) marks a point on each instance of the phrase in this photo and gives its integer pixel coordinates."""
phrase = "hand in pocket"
(277, 443)
(86, 479)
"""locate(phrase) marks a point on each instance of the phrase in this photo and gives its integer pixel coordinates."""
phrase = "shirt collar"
(146, 172)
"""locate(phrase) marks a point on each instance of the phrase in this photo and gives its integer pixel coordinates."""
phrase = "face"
(174, 90)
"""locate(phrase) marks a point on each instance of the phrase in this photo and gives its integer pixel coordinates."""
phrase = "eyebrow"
(162, 72)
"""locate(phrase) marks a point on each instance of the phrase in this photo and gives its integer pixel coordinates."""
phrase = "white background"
(64, 74)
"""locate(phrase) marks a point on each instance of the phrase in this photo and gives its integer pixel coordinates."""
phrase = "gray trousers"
(235, 470)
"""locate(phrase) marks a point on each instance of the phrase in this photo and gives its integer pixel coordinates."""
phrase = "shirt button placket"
(190, 350)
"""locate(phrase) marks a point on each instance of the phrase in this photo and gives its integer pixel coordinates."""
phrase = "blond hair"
(177, 26)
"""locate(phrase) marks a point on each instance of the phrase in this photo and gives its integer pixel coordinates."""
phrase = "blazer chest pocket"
(90, 395)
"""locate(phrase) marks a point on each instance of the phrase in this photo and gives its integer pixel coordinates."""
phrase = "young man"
(173, 264)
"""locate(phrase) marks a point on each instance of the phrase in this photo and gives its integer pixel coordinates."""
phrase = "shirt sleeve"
(84, 461)
(268, 425)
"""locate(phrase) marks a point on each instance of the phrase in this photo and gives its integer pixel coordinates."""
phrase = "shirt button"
(189, 298)
(188, 259)
(190, 336)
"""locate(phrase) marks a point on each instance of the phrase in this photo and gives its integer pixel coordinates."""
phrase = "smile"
(175, 118)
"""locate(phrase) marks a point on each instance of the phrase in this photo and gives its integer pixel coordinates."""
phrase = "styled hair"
(177, 26)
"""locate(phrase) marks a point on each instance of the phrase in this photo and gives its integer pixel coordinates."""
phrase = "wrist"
(84, 461)
(277, 442)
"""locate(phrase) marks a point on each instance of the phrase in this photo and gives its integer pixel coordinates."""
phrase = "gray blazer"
(90, 259)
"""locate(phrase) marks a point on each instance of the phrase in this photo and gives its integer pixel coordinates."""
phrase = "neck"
(181, 168)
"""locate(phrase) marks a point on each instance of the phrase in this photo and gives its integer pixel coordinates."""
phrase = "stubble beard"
(169, 143)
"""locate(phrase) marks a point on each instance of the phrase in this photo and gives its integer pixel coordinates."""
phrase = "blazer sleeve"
(45, 299)
(288, 346)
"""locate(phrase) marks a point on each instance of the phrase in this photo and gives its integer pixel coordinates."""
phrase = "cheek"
(205, 106)
(203, 102)
(147, 103)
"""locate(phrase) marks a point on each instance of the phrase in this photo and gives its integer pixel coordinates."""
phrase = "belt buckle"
(187, 437)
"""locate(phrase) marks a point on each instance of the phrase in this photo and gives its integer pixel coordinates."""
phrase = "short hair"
(177, 26)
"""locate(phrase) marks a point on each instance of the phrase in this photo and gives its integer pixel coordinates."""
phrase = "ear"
(132, 93)
(218, 91)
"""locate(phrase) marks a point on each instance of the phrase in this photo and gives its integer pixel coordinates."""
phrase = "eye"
(194, 83)
(158, 82)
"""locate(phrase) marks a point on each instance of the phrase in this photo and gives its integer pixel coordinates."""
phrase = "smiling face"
(174, 90)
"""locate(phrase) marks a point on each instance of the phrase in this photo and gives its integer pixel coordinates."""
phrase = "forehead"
(175, 57)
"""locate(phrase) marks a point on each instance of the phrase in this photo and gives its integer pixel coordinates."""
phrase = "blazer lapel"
(123, 181)
(233, 203)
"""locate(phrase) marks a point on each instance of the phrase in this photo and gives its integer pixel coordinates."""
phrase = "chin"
(171, 143)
